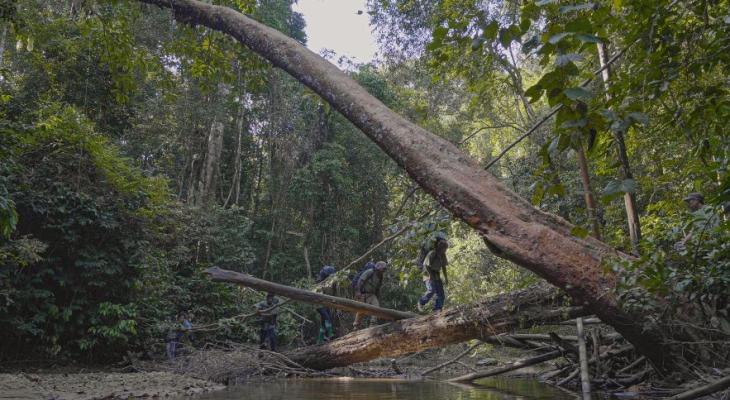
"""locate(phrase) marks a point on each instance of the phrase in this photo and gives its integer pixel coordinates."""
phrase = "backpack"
(325, 272)
(427, 246)
(368, 265)
(433, 262)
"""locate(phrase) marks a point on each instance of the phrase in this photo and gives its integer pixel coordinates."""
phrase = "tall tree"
(512, 228)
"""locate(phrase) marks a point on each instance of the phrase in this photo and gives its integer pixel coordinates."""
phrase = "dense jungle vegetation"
(136, 151)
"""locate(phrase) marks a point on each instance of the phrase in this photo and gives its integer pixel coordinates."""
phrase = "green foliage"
(687, 267)
(116, 193)
(69, 266)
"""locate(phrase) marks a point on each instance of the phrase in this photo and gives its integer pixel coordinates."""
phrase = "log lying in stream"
(509, 367)
(504, 313)
(222, 275)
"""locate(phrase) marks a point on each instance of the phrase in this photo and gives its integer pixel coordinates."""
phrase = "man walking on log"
(367, 289)
(326, 331)
(267, 319)
(432, 261)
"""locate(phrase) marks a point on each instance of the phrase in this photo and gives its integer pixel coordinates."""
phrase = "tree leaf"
(579, 231)
(530, 44)
(578, 93)
(616, 189)
(564, 59)
(577, 7)
(558, 37)
(639, 118)
(584, 37)
(534, 92)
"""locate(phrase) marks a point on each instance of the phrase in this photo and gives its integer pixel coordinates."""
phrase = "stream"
(387, 389)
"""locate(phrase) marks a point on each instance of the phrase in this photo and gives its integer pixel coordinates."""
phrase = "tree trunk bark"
(515, 230)
(3, 38)
(498, 315)
(307, 263)
(632, 213)
(585, 379)
(208, 177)
(509, 367)
(222, 275)
(236, 181)
(588, 193)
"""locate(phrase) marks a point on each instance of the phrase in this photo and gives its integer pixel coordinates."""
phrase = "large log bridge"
(500, 314)
(223, 275)
(411, 332)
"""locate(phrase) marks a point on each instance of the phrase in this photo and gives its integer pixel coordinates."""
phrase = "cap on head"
(695, 196)
(381, 265)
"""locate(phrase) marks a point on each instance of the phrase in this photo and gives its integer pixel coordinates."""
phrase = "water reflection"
(387, 389)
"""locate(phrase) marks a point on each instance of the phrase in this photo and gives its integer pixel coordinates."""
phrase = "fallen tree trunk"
(501, 314)
(511, 227)
(710, 388)
(222, 275)
(509, 367)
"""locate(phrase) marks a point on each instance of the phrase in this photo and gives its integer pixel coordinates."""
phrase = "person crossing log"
(500, 314)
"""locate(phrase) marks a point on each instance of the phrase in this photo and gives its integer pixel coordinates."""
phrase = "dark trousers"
(434, 287)
(325, 315)
(267, 337)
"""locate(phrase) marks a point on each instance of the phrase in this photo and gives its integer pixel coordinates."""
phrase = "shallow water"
(387, 389)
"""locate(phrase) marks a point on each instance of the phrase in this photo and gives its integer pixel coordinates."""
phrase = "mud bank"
(90, 386)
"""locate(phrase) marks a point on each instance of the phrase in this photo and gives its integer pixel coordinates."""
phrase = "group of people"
(368, 281)
(366, 285)
(178, 330)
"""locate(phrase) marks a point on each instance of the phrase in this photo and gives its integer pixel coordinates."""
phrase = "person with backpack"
(326, 330)
(267, 319)
(432, 261)
(367, 289)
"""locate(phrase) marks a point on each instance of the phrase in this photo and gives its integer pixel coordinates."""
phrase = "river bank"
(101, 385)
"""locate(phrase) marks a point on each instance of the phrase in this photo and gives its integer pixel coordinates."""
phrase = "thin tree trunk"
(632, 214)
(3, 38)
(710, 388)
(256, 189)
(236, 182)
(269, 244)
(306, 262)
(588, 193)
(509, 367)
(512, 228)
(192, 183)
(585, 378)
(208, 177)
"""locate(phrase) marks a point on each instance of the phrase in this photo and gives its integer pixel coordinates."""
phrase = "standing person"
(187, 328)
(326, 330)
(704, 219)
(171, 338)
(267, 319)
(367, 289)
(432, 260)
